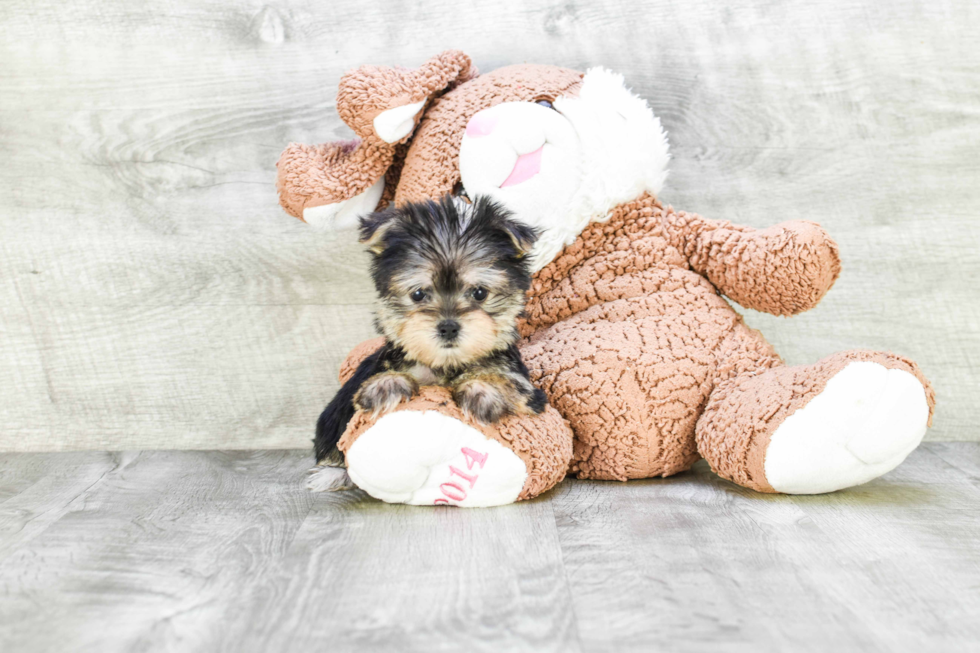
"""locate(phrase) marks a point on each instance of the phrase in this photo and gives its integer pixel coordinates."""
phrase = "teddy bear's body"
(629, 342)
(629, 336)
(647, 366)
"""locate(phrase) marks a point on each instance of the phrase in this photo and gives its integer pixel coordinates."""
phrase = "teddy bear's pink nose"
(481, 124)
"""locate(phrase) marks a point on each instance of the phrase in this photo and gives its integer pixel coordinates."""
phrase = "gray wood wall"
(154, 296)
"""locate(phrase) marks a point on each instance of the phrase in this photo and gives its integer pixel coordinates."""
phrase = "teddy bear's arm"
(783, 270)
(330, 175)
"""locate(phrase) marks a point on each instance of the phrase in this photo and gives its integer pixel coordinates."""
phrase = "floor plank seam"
(564, 568)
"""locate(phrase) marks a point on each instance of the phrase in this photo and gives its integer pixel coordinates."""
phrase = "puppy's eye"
(545, 103)
(417, 296)
(480, 294)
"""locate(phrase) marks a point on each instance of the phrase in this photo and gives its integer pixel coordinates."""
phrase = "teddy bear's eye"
(545, 103)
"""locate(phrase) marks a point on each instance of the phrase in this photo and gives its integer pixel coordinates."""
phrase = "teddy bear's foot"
(428, 452)
(863, 424)
(425, 458)
(814, 429)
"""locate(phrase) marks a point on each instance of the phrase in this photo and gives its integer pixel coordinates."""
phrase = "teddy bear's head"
(557, 147)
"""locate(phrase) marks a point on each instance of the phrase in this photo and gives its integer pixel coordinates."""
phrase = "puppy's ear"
(373, 229)
(521, 235)
(493, 215)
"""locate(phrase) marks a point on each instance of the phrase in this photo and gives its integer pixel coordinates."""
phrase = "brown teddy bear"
(647, 367)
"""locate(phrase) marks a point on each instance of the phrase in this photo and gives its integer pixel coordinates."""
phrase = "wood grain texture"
(154, 295)
(709, 562)
(141, 559)
(226, 551)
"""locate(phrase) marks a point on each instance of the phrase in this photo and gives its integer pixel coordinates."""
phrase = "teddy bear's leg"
(631, 397)
(815, 428)
(427, 452)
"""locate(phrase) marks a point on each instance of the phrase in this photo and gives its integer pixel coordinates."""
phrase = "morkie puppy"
(452, 278)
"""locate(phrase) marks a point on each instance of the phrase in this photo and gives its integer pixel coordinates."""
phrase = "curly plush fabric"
(744, 411)
(629, 340)
(646, 365)
(541, 442)
(309, 177)
(625, 337)
(369, 90)
(784, 270)
(650, 366)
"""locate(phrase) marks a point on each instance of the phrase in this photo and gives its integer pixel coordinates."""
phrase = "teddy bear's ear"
(385, 102)
(332, 184)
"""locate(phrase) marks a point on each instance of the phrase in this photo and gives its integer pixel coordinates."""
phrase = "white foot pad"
(865, 422)
(425, 458)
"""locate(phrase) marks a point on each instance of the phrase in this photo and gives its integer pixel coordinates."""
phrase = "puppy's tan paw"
(382, 392)
(483, 400)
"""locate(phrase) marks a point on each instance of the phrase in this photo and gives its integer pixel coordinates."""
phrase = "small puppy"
(452, 279)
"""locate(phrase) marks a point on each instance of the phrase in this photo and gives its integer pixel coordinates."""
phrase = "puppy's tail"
(334, 418)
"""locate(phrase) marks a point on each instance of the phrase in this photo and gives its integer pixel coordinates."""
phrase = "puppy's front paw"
(382, 392)
(483, 400)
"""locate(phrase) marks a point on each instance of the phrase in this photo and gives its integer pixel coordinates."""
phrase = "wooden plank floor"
(225, 551)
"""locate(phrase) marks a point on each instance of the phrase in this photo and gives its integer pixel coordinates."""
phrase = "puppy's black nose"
(448, 329)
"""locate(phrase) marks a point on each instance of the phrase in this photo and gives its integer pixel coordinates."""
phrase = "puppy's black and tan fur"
(452, 279)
